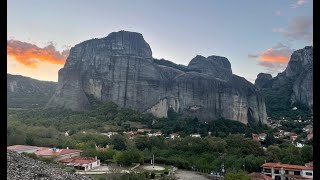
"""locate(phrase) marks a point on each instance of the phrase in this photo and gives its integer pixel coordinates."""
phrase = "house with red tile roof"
(287, 171)
(309, 136)
(259, 137)
(58, 154)
(255, 137)
(293, 136)
(47, 152)
(81, 163)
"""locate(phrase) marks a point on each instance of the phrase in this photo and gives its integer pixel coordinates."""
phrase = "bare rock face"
(262, 80)
(300, 69)
(298, 74)
(216, 66)
(120, 68)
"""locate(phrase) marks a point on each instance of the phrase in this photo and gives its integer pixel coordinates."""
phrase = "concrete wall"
(303, 174)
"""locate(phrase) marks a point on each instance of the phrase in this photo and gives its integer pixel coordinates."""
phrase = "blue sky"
(256, 36)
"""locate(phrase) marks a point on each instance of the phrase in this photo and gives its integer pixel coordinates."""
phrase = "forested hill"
(25, 92)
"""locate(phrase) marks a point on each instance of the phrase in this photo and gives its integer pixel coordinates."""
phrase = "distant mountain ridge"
(25, 92)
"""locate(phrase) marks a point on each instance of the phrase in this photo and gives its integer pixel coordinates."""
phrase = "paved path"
(135, 166)
(189, 175)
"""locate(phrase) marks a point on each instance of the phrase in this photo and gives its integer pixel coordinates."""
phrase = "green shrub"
(31, 155)
(153, 175)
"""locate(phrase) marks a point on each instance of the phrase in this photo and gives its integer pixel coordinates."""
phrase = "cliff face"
(120, 68)
(263, 80)
(24, 92)
(300, 69)
(298, 75)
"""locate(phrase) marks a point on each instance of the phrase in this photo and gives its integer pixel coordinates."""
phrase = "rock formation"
(120, 68)
(263, 80)
(298, 75)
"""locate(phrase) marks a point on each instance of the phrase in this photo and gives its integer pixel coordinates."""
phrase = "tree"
(118, 158)
(119, 142)
(292, 155)
(236, 175)
(172, 115)
(307, 153)
(269, 139)
(274, 153)
(142, 142)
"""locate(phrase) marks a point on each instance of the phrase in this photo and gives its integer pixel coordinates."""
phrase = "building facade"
(278, 171)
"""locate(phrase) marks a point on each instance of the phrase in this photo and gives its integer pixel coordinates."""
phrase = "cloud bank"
(274, 59)
(31, 55)
(299, 28)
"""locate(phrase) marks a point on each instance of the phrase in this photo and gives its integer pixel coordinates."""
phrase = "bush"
(47, 160)
(70, 169)
(153, 175)
(31, 155)
(146, 173)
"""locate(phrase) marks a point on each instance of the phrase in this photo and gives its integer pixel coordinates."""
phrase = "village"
(73, 158)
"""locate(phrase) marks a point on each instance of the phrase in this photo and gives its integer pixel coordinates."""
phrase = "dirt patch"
(189, 175)
(151, 168)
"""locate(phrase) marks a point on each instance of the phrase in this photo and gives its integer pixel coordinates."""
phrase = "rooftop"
(79, 160)
(58, 152)
(286, 166)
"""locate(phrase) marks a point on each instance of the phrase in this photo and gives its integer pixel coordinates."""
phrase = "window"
(309, 173)
(277, 177)
(287, 172)
(267, 170)
(276, 171)
(296, 172)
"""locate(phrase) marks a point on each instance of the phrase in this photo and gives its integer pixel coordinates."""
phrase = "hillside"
(25, 92)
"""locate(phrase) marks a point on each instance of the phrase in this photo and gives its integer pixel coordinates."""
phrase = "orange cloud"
(274, 56)
(31, 55)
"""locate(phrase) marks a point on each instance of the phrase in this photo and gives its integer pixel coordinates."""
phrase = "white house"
(287, 171)
(174, 135)
(82, 163)
(299, 145)
(195, 135)
(155, 134)
(109, 134)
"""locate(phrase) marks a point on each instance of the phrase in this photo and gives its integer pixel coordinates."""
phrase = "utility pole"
(153, 160)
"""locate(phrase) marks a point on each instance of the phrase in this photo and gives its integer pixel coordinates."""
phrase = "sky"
(255, 36)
